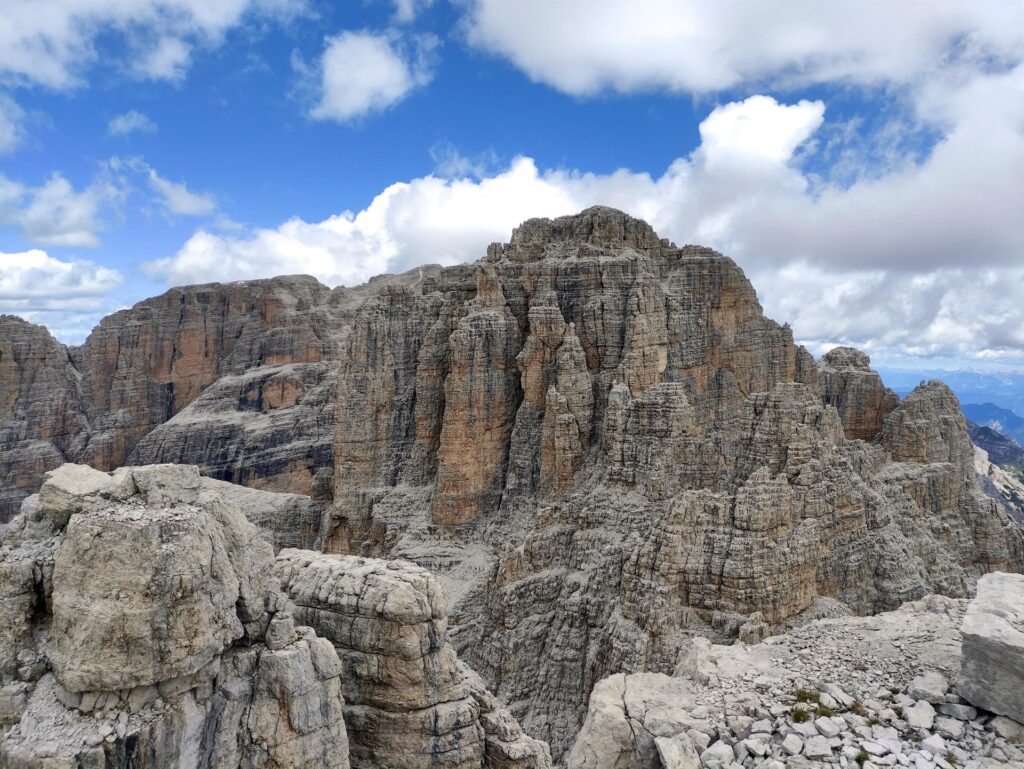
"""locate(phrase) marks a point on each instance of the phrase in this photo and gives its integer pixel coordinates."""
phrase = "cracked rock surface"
(603, 449)
(237, 378)
(144, 624)
(142, 628)
(847, 692)
(410, 703)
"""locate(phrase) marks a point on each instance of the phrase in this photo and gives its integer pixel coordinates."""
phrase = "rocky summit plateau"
(579, 503)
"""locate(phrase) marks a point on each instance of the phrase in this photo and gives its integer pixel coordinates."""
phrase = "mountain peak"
(598, 225)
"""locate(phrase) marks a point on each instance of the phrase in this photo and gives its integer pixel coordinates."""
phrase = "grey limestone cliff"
(604, 448)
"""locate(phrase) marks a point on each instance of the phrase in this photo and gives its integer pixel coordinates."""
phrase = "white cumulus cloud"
(922, 260)
(35, 276)
(759, 128)
(407, 10)
(586, 46)
(177, 198)
(55, 213)
(53, 43)
(67, 296)
(12, 130)
(363, 72)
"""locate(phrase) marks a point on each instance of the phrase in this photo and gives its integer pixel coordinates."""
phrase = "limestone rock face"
(928, 427)
(857, 392)
(40, 419)
(140, 367)
(269, 427)
(186, 617)
(143, 627)
(991, 676)
(267, 419)
(603, 448)
(144, 365)
(482, 396)
(237, 378)
(409, 703)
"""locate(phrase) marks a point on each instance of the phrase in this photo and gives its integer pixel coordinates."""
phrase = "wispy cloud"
(130, 122)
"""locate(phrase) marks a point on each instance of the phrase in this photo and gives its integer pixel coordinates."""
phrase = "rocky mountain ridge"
(594, 440)
(237, 378)
(599, 441)
(1001, 449)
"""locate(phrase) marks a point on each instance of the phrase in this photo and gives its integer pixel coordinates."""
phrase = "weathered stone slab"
(992, 666)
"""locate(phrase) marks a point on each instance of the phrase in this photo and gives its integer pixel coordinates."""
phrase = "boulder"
(992, 665)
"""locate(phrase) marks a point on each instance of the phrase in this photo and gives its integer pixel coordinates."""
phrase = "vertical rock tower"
(604, 448)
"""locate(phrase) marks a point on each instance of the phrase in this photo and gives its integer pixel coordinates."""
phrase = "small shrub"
(858, 709)
(824, 711)
(873, 721)
(800, 715)
(861, 757)
(807, 695)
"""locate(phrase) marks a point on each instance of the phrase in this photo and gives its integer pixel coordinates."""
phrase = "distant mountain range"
(1002, 449)
(998, 419)
(1003, 389)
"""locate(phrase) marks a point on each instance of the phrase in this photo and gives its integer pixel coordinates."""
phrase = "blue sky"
(864, 163)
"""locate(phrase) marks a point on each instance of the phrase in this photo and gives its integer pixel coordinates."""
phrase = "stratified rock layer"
(409, 703)
(848, 383)
(40, 418)
(142, 627)
(142, 366)
(236, 378)
(603, 448)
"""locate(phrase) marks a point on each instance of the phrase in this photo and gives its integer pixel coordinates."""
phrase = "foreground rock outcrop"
(143, 624)
(409, 702)
(142, 627)
(846, 691)
(603, 448)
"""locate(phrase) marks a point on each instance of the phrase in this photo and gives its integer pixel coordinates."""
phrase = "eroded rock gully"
(593, 439)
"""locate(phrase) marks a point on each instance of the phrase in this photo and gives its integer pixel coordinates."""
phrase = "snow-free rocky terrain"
(579, 460)
(886, 690)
